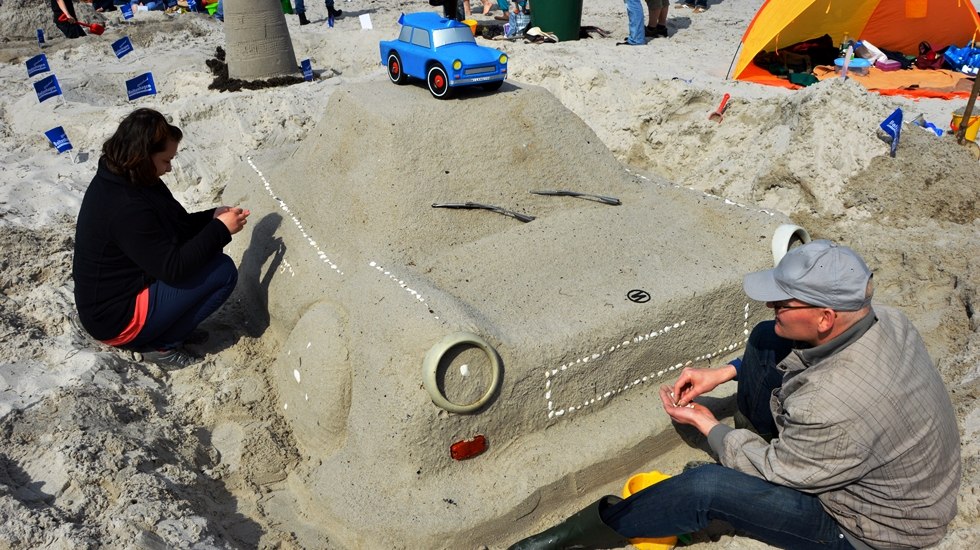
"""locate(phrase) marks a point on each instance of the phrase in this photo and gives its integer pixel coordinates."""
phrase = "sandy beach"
(99, 450)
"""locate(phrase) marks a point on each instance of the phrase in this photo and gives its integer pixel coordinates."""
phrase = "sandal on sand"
(699, 9)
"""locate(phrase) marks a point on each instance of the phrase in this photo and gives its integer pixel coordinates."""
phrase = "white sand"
(98, 449)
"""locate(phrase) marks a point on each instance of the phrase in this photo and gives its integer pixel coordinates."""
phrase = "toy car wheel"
(395, 71)
(438, 82)
(493, 86)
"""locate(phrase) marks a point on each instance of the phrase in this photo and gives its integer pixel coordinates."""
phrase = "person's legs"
(300, 10)
(333, 12)
(634, 13)
(70, 30)
(176, 310)
(686, 503)
(758, 376)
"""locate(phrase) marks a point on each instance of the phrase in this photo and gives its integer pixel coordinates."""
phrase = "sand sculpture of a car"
(443, 53)
(404, 329)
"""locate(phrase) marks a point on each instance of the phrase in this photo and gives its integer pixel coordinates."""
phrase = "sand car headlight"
(457, 65)
(503, 59)
(438, 363)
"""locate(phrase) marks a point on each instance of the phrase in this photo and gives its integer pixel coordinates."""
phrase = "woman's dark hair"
(141, 134)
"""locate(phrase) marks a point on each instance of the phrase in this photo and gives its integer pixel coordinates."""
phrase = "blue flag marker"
(122, 47)
(47, 88)
(127, 11)
(140, 86)
(192, 5)
(37, 65)
(307, 69)
(40, 37)
(59, 139)
(893, 127)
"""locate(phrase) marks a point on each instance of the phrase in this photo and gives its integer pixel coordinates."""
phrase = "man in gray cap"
(845, 436)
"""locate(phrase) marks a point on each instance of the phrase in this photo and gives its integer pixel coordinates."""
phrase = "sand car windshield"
(454, 35)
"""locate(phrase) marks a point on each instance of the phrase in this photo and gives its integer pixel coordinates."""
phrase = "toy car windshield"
(453, 35)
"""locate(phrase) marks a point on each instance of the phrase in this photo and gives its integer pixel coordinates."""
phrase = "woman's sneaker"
(170, 359)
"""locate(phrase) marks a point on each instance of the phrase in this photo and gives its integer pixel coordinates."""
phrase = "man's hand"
(694, 382)
(691, 414)
(233, 217)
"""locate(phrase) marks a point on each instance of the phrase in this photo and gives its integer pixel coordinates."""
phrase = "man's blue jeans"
(176, 310)
(686, 503)
(772, 513)
(634, 12)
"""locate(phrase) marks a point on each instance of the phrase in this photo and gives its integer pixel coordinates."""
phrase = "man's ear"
(828, 318)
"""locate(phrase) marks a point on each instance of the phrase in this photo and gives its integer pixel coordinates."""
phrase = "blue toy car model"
(442, 52)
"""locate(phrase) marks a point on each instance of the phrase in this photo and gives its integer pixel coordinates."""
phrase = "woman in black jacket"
(146, 272)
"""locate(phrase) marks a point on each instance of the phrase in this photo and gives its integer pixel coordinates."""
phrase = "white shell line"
(728, 202)
(550, 374)
(321, 255)
(404, 286)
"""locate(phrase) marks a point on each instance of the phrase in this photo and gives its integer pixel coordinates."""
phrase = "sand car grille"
(478, 70)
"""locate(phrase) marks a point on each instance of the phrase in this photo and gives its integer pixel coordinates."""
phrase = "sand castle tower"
(257, 40)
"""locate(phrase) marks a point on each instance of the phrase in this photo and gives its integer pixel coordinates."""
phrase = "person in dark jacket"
(146, 272)
(70, 28)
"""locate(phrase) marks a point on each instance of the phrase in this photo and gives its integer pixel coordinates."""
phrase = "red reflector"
(468, 448)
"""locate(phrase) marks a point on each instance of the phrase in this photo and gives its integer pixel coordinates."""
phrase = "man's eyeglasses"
(779, 307)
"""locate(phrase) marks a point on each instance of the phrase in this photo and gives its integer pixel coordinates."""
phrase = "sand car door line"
(415, 58)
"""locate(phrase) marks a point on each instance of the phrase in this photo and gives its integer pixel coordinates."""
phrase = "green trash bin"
(562, 17)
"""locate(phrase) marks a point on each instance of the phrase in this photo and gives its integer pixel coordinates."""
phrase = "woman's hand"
(694, 382)
(233, 217)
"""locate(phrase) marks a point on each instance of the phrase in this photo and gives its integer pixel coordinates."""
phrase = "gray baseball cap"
(820, 273)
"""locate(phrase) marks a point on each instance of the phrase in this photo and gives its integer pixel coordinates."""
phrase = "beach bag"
(517, 24)
(928, 58)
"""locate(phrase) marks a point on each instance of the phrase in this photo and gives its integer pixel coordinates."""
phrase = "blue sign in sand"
(59, 139)
(47, 88)
(37, 65)
(122, 47)
(140, 86)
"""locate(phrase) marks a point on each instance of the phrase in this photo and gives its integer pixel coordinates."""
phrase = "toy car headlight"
(503, 59)
(457, 65)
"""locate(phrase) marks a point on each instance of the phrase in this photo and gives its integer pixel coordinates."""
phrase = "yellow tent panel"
(897, 25)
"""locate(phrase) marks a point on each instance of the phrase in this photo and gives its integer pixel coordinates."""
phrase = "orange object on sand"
(635, 484)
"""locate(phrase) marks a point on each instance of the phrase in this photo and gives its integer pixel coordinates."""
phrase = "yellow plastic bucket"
(635, 484)
(472, 25)
(971, 127)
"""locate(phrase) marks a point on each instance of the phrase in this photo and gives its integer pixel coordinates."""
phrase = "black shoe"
(170, 359)
(199, 336)
(302, 19)
(661, 31)
(650, 32)
(335, 13)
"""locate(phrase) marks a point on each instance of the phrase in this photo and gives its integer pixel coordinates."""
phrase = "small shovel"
(93, 28)
(719, 114)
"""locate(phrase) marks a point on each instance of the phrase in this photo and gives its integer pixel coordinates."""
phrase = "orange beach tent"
(891, 24)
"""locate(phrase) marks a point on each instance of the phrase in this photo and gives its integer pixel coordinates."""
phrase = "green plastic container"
(562, 17)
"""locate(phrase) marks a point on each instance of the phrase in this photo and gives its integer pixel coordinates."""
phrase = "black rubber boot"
(585, 529)
(302, 19)
(335, 13)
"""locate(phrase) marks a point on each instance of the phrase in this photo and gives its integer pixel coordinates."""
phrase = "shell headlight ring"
(457, 65)
(785, 237)
(430, 367)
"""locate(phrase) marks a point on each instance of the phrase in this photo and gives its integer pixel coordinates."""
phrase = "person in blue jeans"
(146, 271)
(845, 435)
(634, 15)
